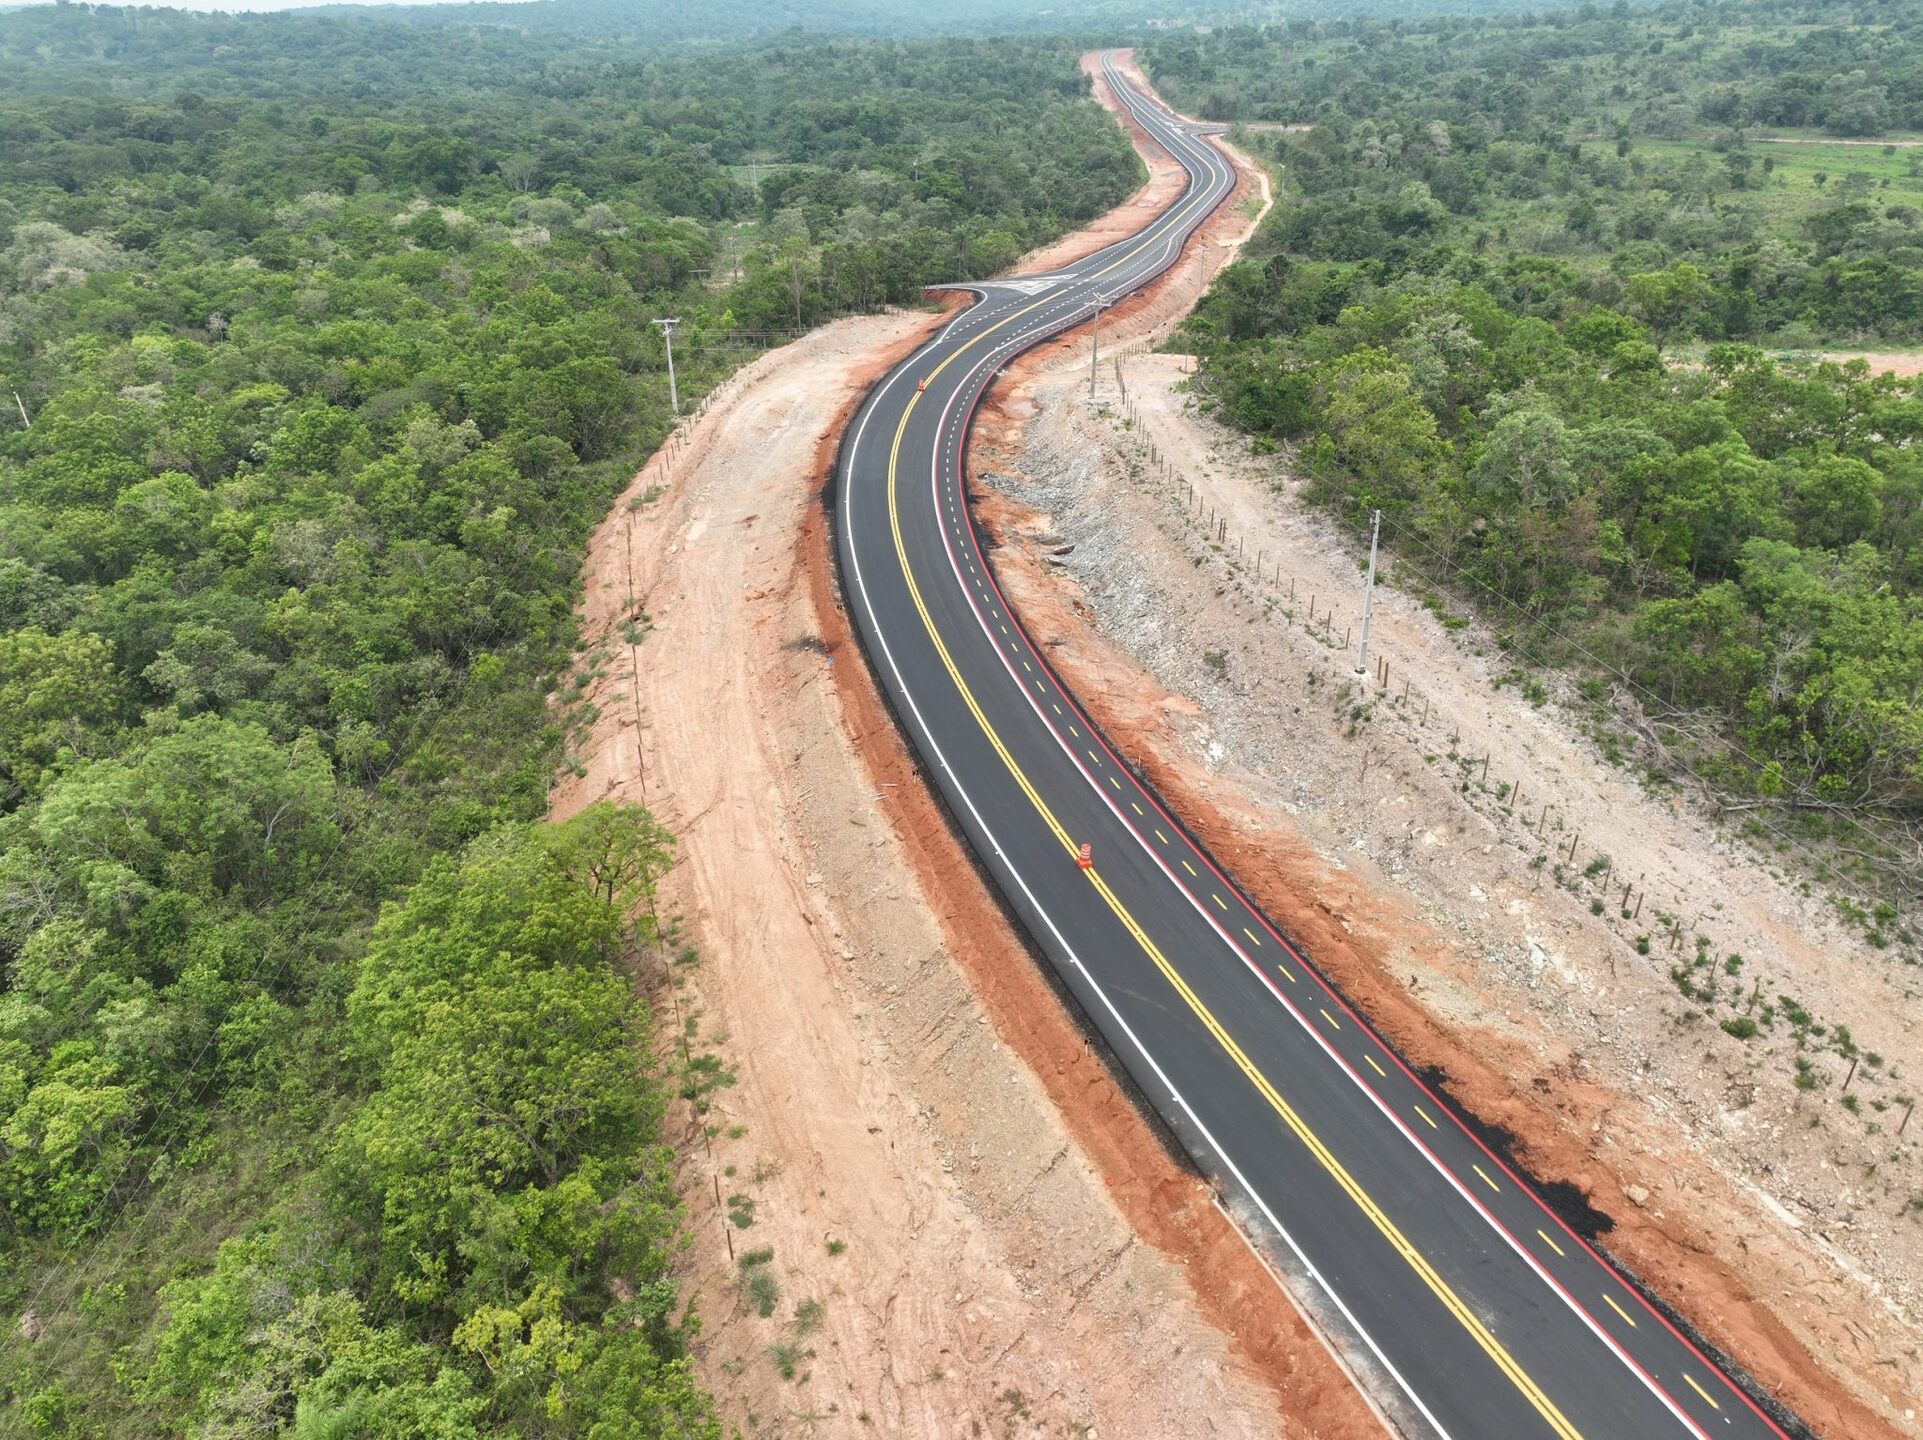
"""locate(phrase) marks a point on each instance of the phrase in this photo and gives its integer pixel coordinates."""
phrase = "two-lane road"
(1490, 1317)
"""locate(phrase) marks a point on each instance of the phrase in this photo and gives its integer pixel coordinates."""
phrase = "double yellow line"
(1400, 1243)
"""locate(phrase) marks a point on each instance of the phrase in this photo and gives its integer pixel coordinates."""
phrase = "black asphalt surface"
(1485, 1316)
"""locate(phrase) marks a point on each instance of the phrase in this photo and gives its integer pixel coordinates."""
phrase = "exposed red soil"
(1166, 1204)
(1354, 932)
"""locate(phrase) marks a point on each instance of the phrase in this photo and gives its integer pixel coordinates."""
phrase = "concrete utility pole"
(1368, 598)
(667, 339)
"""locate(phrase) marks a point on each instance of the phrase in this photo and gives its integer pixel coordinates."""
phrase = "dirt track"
(914, 1126)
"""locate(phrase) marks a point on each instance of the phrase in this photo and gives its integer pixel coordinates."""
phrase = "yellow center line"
(1700, 1391)
(1550, 1243)
(1375, 1067)
(1397, 1241)
(1425, 1118)
(1160, 836)
(1285, 974)
(1334, 1024)
(1136, 808)
(1628, 1319)
(1253, 938)
(1485, 1179)
(1188, 867)
(1218, 900)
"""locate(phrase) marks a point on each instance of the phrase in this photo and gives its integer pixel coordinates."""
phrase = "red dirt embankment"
(1568, 1127)
(955, 1195)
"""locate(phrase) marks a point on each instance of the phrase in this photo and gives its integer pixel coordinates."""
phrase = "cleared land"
(1779, 1217)
(969, 1223)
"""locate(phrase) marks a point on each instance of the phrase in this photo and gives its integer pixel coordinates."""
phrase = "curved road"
(1492, 1319)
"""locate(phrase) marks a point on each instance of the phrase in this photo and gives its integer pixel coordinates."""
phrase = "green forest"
(326, 1103)
(1541, 290)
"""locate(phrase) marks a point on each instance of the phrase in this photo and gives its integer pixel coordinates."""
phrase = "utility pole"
(1094, 346)
(667, 339)
(25, 423)
(1368, 598)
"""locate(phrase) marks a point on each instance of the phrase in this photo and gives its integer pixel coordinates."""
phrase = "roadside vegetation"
(326, 1106)
(1492, 239)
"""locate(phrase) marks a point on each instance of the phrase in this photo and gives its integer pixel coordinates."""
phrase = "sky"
(274, 4)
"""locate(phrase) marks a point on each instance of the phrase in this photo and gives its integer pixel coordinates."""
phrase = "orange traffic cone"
(1086, 860)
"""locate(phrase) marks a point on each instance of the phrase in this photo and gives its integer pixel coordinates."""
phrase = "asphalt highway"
(1481, 1315)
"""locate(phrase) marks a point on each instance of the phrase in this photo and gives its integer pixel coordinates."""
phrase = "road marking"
(1251, 934)
(1160, 836)
(1188, 867)
(1700, 1391)
(1550, 1243)
(1136, 808)
(1334, 1024)
(1218, 900)
(1375, 1067)
(1116, 783)
(1425, 1118)
(1094, 757)
(1407, 1251)
(1285, 974)
(1629, 1319)
(1485, 1178)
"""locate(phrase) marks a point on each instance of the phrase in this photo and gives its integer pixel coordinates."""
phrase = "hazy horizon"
(235, 6)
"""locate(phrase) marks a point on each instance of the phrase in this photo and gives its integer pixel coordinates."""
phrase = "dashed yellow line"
(1188, 867)
(1550, 1243)
(1485, 1178)
(1286, 974)
(1136, 808)
(1160, 836)
(1254, 939)
(1220, 902)
(1628, 1319)
(1425, 1118)
(1700, 1391)
(1334, 1024)
(1375, 1067)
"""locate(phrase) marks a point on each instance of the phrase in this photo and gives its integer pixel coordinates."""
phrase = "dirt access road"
(971, 1230)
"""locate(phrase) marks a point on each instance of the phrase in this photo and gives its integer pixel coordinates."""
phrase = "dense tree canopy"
(1459, 312)
(334, 339)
